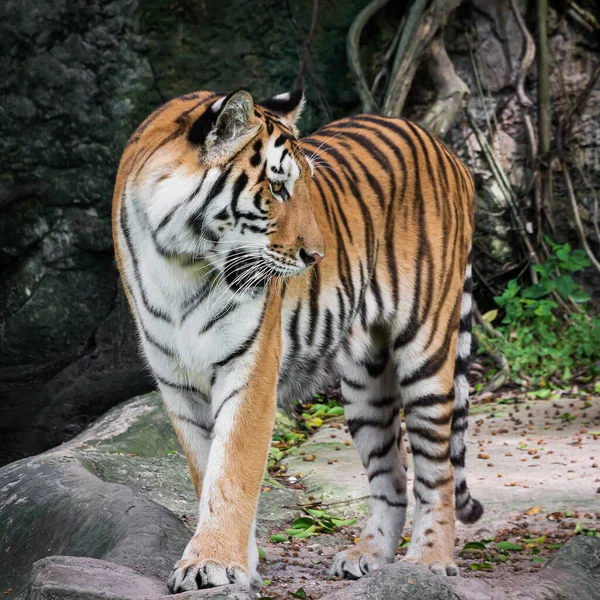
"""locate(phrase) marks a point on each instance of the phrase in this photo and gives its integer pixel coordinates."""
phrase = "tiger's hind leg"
(372, 409)
(425, 375)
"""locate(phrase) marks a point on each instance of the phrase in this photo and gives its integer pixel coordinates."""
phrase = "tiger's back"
(222, 217)
(389, 198)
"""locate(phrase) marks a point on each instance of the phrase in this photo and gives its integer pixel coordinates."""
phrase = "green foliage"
(317, 521)
(540, 339)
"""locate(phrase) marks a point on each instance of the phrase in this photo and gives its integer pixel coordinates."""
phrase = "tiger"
(262, 267)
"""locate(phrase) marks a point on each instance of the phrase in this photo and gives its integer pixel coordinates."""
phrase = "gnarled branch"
(422, 24)
(352, 50)
(452, 92)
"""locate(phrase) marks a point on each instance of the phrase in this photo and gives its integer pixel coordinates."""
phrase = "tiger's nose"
(310, 258)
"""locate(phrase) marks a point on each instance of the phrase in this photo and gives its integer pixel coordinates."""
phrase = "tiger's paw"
(438, 567)
(199, 574)
(355, 562)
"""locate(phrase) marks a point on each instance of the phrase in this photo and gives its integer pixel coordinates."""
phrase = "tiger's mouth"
(242, 272)
(282, 265)
(247, 272)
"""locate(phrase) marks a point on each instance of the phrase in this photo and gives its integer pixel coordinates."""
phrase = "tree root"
(501, 377)
(352, 50)
(577, 217)
(452, 92)
(422, 24)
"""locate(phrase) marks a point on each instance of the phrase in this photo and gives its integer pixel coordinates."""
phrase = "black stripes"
(256, 158)
(246, 345)
(380, 473)
(206, 428)
(228, 398)
(156, 312)
(388, 501)
(381, 451)
(462, 365)
(358, 423)
(197, 220)
(282, 104)
(355, 385)
(435, 484)
(425, 402)
(182, 387)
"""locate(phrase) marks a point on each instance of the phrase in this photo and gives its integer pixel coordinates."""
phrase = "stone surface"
(573, 574)
(74, 578)
(52, 505)
(69, 81)
(108, 494)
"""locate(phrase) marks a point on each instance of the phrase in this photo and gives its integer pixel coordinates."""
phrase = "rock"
(108, 494)
(75, 578)
(69, 75)
(572, 574)
(399, 580)
(53, 505)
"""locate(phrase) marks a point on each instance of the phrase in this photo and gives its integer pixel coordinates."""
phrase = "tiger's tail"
(468, 509)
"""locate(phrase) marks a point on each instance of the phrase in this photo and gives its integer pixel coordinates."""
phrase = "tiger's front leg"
(222, 550)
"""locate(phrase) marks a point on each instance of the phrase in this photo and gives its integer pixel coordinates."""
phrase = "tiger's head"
(233, 190)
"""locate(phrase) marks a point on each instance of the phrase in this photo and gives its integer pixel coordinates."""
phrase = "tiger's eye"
(276, 186)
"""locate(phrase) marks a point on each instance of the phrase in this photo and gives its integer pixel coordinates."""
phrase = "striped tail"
(468, 509)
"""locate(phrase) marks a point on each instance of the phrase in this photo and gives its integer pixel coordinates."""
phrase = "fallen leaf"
(534, 510)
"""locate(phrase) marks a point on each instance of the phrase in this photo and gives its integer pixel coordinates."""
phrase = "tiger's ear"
(288, 107)
(225, 127)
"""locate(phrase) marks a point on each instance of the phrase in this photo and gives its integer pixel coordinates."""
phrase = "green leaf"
(473, 546)
(508, 546)
(484, 566)
(299, 593)
(578, 528)
(306, 533)
(537, 540)
(278, 537)
(490, 315)
(553, 546)
(345, 523)
(295, 531)
(565, 286)
(543, 393)
(303, 523)
(580, 296)
(261, 554)
(336, 410)
(267, 582)
(535, 291)
(538, 559)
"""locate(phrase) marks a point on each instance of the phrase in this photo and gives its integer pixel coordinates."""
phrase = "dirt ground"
(533, 464)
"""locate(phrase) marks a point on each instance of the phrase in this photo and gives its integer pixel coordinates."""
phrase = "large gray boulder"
(69, 79)
(74, 578)
(119, 492)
